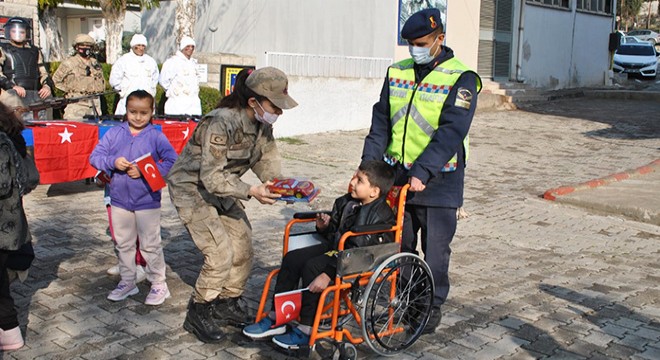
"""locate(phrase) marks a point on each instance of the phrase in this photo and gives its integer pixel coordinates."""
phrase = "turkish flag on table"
(287, 306)
(150, 172)
(177, 132)
(62, 149)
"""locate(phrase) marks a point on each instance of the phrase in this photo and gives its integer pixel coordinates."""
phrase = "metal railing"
(328, 65)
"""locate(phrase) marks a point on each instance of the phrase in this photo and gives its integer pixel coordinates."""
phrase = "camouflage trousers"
(77, 111)
(225, 239)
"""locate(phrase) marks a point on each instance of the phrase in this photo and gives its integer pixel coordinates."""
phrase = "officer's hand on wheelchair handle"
(416, 184)
(319, 283)
(262, 194)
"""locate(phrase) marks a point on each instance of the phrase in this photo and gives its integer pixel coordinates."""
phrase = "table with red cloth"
(62, 148)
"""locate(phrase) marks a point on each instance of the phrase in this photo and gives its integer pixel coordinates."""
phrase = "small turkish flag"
(62, 149)
(287, 306)
(177, 132)
(150, 172)
(102, 178)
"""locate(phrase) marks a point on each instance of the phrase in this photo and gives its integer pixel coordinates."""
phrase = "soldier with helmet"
(22, 70)
(81, 75)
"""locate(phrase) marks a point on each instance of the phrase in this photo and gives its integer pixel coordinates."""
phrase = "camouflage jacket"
(77, 76)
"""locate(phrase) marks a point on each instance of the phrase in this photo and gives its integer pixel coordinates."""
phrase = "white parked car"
(649, 36)
(636, 59)
(630, 40)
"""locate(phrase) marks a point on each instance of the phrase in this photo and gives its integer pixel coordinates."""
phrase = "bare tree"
(48, 19)
(184, 19)
(114, 12)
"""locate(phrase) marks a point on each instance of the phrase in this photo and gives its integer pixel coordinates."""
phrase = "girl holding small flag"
(138, 156)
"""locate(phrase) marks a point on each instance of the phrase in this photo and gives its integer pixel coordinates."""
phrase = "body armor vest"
(22, 66)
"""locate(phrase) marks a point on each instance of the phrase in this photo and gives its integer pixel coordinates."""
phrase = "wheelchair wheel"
(396, 304)
(347, 351)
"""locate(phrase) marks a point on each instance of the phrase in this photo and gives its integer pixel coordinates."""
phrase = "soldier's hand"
(20, 91)
(416, 184)
(44, 92)
(262, 194)
(122, 164)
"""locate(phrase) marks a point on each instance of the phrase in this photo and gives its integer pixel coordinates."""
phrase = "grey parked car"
(646, 35)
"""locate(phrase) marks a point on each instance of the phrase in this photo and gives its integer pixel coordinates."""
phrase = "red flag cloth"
(177, 132)
(287, 306)
(62, 149)
(149, 171)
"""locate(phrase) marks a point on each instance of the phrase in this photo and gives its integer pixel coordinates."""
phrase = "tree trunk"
(56, 50)
(114, 13)
(184, 19)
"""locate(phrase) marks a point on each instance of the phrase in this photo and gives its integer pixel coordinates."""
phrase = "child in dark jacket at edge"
(317, 265)
(135, 208)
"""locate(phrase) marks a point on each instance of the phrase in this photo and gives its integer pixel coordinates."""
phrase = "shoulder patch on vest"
(463, 98)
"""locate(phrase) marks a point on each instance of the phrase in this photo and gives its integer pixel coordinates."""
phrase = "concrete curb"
(553, 193)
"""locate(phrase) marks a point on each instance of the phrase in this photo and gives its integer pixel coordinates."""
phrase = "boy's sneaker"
(122, 291)
(157, 295)
(11, 339)
(292, 340)
(263, 329)
(113, 271)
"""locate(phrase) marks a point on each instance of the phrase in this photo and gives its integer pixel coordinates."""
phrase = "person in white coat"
(134, 70)
(179, 79)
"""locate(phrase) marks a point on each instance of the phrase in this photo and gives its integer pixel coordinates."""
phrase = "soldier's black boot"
(199, 321)
(232, 311)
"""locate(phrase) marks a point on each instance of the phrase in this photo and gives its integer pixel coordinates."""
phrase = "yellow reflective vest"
(415, 109)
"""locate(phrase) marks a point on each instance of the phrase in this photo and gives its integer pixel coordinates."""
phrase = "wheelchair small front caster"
(347, 351)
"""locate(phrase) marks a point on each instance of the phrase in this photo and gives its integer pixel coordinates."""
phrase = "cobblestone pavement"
(530, 278)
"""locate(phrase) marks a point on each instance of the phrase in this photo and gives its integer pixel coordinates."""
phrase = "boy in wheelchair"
(317, 265)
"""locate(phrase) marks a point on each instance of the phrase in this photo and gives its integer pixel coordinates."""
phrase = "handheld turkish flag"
(62, 149)
(150, 172)
(287, 306)
(102, 178)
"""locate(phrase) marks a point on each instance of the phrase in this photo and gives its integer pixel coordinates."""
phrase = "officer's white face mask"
(422, 55)
(266, 118)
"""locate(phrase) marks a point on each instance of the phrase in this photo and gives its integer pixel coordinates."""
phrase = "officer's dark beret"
(421, 23)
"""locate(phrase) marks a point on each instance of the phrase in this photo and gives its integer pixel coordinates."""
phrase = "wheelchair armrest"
(309, 214)
(371, 227)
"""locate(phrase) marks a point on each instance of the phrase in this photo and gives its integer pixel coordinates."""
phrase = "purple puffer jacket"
(125, 192)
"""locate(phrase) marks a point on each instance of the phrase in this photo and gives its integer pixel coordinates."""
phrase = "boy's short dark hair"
(379, 173)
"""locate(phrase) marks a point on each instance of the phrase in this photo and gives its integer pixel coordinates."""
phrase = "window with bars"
(599, 6)
(557, 3)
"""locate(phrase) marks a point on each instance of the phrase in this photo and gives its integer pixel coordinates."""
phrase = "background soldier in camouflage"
(80, 75)
(206, 188)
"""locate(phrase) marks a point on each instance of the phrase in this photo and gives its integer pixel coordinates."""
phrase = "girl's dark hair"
(141, 95)
(9, 121)
(241, 94)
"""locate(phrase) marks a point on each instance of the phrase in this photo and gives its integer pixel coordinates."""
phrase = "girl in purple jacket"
(135, 208)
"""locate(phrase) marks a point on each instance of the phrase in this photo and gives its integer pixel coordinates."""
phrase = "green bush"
(208, 96)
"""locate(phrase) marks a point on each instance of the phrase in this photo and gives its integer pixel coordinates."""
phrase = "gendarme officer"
(23, 72)
(420, 126)
(81, 75)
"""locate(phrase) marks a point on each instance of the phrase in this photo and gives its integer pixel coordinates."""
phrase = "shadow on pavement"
(71, 188)
(633, 119)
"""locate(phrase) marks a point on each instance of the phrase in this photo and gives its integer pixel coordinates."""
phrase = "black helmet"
(17, 29)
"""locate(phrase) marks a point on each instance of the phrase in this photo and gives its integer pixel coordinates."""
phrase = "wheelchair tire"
(392, 324)
(347, 351)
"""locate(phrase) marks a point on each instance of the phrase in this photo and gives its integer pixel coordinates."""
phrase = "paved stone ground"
(531, 278)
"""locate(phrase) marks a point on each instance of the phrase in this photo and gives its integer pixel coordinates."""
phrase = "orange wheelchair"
(380, 296)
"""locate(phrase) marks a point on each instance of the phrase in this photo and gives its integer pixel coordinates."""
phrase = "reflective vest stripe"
(421, 122)
(399, 115)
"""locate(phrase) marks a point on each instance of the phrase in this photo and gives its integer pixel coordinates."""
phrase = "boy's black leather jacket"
(348, 213)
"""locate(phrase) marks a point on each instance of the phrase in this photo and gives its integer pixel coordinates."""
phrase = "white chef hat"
(138, 39)
(185, 41)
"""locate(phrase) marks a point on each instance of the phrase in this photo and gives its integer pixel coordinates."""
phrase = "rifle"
(59, 102)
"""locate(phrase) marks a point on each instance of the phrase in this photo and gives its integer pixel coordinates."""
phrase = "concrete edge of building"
(552, 194)
(623, 94)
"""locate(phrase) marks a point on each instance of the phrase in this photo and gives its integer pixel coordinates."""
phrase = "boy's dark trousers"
(306, 263)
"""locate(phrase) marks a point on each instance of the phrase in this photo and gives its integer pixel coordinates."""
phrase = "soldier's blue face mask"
(422, 55)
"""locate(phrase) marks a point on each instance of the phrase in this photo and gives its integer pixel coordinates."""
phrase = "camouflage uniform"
(206, 188)
(77, 76)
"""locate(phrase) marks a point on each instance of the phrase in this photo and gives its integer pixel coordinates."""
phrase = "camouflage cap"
(83, 39)
(273, 84)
